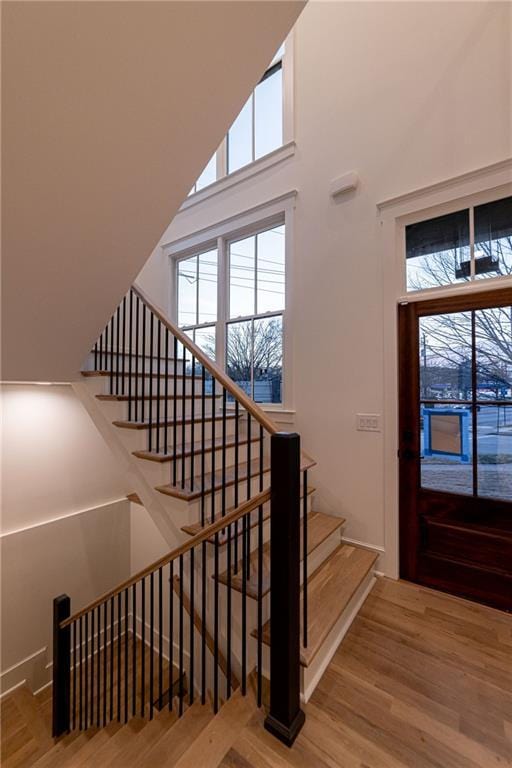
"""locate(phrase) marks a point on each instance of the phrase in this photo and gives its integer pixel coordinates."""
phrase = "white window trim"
(278, 210)
(227, 180)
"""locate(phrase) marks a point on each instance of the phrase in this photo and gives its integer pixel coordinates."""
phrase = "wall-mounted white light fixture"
(342, 184)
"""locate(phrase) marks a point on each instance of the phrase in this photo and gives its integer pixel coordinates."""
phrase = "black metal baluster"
(236, 489)
(134, 650)
(166, 393)
(171, 632)
(249, 478)
(112, 355)
(192, 424)
(143, 383)
(228, 620)
(160, 636)
(175, 408)
(137, 330)
(203, 436)
(212, 516)
(203, 624)
(180, 647)
(100, 352)
(151, 350)
(191, 624)
(80, 669)
(216, 626)
(183, 412)
(244, 605)
(260, 577)
(98, 670)
(92, 667)
(305, 561)
(223, 492)
(119, 658)
(143, 648)
(86, 679)
(158, 393)
(96, 356)
(151, 641)
(123, 345)
(105, 649)
(130, 345)
(118, 323)
(111, 658)
(73, 663)
(126, 655)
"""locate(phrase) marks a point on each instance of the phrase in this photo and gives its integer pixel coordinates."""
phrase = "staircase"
(257, 586)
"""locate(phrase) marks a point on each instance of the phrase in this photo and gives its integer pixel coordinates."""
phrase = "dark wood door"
(455, 452)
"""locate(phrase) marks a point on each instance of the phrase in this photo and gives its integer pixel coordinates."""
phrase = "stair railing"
(153, 366)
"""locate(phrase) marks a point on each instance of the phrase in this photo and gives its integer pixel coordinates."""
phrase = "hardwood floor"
(422, 680)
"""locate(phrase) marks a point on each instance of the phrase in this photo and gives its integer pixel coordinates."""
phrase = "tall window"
(239, 319)
(197, 299)
(471, 244)
(257, 130)
(254, 333)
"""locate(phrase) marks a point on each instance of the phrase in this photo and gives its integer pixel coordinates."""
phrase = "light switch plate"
(368, 422)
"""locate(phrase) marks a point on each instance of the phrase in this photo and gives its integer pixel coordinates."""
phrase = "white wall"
(65, 522)
(406, 94)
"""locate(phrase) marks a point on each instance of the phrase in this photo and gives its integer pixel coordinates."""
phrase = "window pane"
(187, 291)
(493, 329)
(438, 251)
(445, 356)
(207, 308)
(209, 175)
(268, 125)
(271, 272)
(493, 238)
(241, 277)
(239, 354)
(240, 139)
(446, 439)
(205, 340)
(268, 360)
(495, 451)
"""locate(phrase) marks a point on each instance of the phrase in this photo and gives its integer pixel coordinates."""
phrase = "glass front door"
(456, 444)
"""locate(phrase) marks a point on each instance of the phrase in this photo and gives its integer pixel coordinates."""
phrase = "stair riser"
(157, 387)
(147, 365)
(116, 410)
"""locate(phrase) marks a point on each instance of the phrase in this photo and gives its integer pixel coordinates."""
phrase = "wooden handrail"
(223, 379)
(206, 533)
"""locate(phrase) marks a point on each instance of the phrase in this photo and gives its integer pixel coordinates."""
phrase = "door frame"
(409, 410)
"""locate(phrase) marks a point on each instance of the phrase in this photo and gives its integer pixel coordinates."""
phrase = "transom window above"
(257, 131)
(471, 244)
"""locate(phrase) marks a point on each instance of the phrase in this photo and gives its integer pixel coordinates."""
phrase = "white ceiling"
(110, 111)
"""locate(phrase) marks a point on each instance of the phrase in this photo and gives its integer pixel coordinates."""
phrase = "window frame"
(273, 213)
(286, 64)
(469, 202)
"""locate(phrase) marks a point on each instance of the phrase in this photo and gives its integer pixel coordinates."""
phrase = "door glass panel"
(445, 356)
(493, 328)
(493, 238)
(437, 251)
(495, 451)
(445, 440)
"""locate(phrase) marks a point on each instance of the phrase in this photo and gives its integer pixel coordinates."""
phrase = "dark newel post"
(285, 718)
(61, 666)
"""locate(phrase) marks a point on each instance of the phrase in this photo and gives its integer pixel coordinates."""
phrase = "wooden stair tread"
(163, 456)
(195, 528)
(216, 739)
(154, 424)
(135, 498)
(330, 590)
(176, 740)
(216, 482)
(320, 527)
